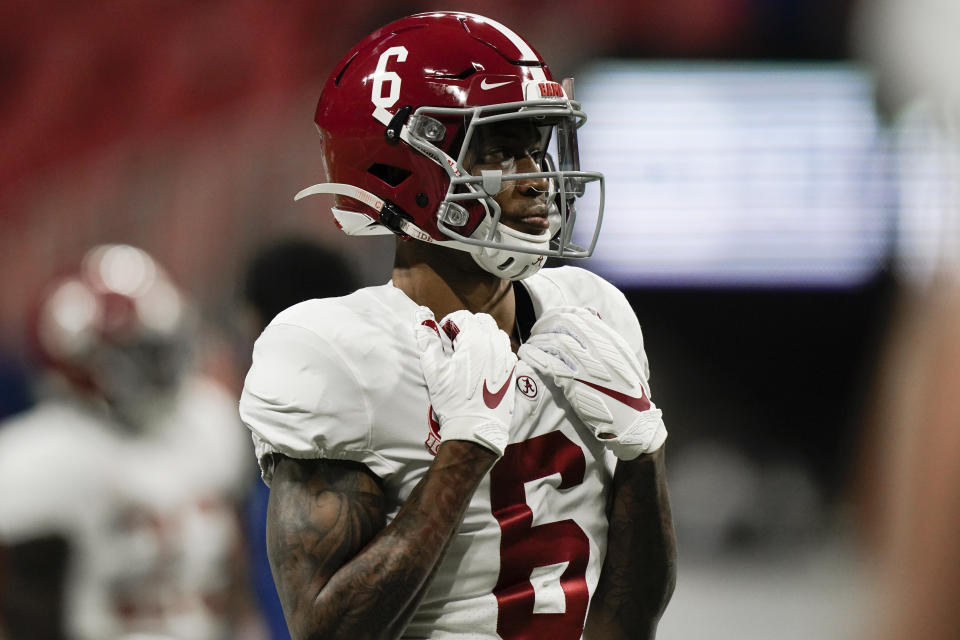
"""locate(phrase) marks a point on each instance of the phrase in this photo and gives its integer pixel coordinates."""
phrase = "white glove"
(601, 377)
(468, 366)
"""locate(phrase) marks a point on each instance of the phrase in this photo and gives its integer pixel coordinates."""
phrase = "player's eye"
(536, 153)
(496, 155)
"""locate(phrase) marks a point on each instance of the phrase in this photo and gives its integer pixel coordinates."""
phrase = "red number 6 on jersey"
(524, 547)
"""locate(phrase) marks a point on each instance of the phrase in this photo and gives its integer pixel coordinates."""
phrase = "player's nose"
(534, 186)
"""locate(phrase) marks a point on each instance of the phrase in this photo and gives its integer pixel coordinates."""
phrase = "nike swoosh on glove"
(468, 367)
(601, 377)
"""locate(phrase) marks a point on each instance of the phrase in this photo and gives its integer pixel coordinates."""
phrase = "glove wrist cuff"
(481, 430)
(645, 435)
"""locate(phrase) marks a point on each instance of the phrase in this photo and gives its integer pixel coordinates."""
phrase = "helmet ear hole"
(456, 142)
(393, 176)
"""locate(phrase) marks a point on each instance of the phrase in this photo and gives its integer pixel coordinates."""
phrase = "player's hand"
(468, 366)
(601, 377)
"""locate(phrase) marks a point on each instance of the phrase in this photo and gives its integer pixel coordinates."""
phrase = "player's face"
(514, 147)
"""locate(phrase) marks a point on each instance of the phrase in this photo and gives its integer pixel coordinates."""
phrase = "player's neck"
(446, 280)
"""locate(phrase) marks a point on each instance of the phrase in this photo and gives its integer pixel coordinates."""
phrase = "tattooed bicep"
(321, 513)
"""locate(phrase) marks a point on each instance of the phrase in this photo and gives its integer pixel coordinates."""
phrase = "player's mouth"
(533, 220)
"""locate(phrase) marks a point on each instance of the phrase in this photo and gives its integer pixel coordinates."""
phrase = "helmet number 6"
(380, 76)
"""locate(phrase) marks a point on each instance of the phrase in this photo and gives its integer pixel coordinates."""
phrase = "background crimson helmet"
(118, 328)
(396, 117)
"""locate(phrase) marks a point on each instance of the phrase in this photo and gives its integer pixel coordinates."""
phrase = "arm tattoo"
(320, 514)
(340, 570)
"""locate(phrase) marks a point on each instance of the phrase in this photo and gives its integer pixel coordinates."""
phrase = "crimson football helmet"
(396, 120)
(117, 328)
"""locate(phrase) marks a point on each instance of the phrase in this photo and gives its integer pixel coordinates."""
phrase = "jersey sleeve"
(45, 487)
(301, 399)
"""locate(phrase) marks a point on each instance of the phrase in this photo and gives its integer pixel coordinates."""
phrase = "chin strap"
(501, 262)
(355, 223)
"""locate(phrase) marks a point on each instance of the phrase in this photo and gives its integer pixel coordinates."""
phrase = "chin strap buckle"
(393, 218)
(392, 134)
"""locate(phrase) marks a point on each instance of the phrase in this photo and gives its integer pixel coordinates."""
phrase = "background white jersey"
(340, 378)
(150, 517)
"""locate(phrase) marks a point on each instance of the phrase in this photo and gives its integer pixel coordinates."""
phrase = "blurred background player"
(909, 474)
(290, 270)
(281, 274)
(119, 490)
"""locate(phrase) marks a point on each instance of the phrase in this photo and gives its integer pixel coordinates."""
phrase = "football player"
(469, 450)
(119, 490)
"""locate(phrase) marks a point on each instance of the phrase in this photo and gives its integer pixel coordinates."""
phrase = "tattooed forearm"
(339, 571)
(320, 514)
(639, 572)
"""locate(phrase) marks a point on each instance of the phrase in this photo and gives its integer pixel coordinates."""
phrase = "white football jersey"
(150, 517)
(340, 378)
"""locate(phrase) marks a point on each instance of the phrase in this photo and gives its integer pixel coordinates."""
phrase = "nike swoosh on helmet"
(493, 85)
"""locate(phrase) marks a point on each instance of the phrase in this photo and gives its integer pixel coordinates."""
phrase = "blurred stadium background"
(759, 218)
